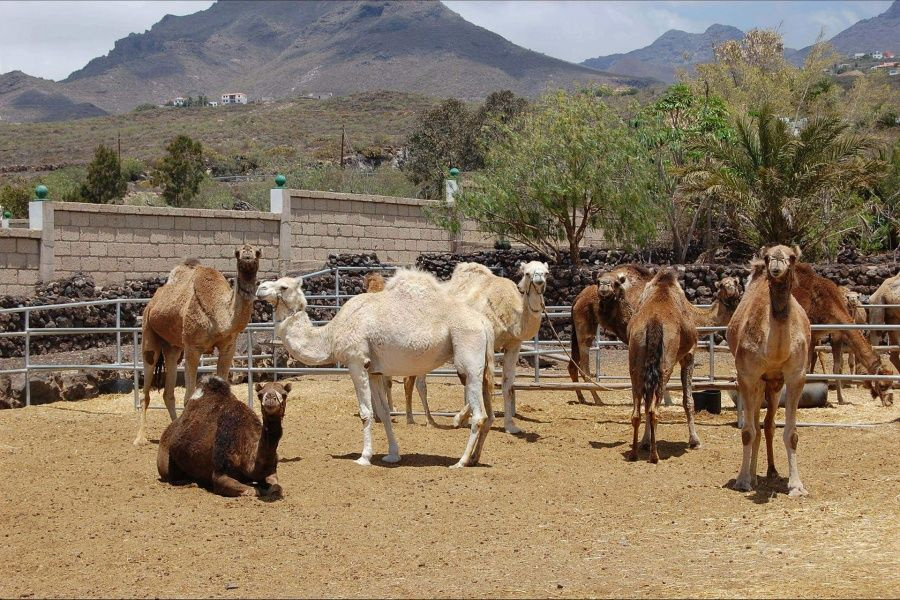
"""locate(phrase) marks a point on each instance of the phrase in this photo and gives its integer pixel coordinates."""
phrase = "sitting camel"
(825, 304)
(414, 326)
(661, 334)
(769, 336)
(887, 293)
(608, 304)
(513, 310)
(220, 443)
(195, 311)
(374, 282)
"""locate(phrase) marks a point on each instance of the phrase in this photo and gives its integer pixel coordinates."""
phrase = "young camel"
(195, 311)
(411, 328)
(769, 336)
(221, 444)
(374, 282)
(608, 304)
(513, 310)
(661, 334)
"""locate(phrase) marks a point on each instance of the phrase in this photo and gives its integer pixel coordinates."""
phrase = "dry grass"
(555, 512)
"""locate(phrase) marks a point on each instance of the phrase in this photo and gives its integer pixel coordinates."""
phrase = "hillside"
(305, 128)
(271, 49)
(673, 50)
(25, 98)
(881, 32)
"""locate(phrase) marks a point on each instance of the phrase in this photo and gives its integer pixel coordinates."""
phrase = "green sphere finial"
(454, 172)
(7, 214)
(280, 180)
(41, 191)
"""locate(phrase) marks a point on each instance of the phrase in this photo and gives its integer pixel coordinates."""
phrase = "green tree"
(181, 171)
(14, 197)
(565, 165)
(104, 183)
(778, 187)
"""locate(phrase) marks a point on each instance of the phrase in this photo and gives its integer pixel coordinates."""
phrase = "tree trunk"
(574, 252)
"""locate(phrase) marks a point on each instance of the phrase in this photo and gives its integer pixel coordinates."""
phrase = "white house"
(234, 98)
(859, 54)
(877, 55)
(213, 103)
(178, 101)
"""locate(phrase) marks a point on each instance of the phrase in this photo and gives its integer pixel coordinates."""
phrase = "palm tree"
(776, 185)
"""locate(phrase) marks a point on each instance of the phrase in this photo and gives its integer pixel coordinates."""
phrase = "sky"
(52, 39)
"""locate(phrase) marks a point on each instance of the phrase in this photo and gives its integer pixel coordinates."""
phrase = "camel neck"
(780, 295)
(242, 299)
(304, 341)
(267, 448)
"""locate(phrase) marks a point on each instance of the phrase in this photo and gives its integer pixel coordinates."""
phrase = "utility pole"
(119, 151)
(342, 147)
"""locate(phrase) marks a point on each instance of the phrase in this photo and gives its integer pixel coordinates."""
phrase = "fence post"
(40, 216)
(27, 352)
(134, 372)
(250, 368)
(118, 332)
(280, 204)
(537, 356)
(712, 356)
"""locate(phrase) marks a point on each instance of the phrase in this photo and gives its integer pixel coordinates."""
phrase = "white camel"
(414, 326)
(514, 312)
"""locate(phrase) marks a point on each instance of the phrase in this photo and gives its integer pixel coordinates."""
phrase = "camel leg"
(635, 421)
(225, 485)
(811, 362)
(380, 402)
(408, 384)
(757, 438)
(894, 355)
(510, 357)
(360, 378)
(462, 417)
(751, 393)
(191, 364)
(486, 397)
(274, 488)
(225, 360)
(477, 421)
(422, 389)
(584, 362)
(687, 399)
(171, 356)
(773, 390)
(791, 402)
(150, 358)
(652, 419)
(837, 354)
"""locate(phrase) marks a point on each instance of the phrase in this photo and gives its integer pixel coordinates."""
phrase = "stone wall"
(20, 258)
(115, 243)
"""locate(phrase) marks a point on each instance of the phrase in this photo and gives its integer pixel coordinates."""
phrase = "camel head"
(728, 290)
(247, 260)
(272, 398)
(854, 299)
(373, 282)
(534, 274)
(285, 292)
(611, 285)
(779, 260)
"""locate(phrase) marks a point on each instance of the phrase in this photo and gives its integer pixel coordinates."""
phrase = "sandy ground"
(557, 511)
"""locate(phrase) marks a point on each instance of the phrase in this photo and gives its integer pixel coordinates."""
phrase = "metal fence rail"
(536, 348)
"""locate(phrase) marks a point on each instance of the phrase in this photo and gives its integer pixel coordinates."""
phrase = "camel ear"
(546, 268)
(299, 281)
(622, 278)
(521, 270)
(258, 253)
(258, 387)
(237, 252)
(718, 284)
(287, 389)
(796, 249)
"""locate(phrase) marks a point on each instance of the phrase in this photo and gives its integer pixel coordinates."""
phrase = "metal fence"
(538, 348)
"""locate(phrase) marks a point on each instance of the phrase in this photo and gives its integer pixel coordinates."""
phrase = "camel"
(825, 304)
(769, 336)
(661, 334)
(514, 311)
(608, 304)
(195, 311)
(410, 328)
(887, 293)
(374, 282)
(220, 443)
(718, 314)
(860, 317)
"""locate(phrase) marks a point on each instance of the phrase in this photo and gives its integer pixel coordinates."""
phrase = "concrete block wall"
(20, 260)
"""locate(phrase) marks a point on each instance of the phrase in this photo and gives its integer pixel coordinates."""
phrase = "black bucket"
(708, 400)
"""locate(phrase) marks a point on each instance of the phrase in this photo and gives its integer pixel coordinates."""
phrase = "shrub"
(181, 170)
(104, 182)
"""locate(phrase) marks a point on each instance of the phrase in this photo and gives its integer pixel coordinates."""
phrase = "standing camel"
(374, 282)
(195, 311)
(770, 338)
(514, 312)
(728, 295)
(608, 304)
(887, 293)
(411, 328)
(860, 317)
(661, 334)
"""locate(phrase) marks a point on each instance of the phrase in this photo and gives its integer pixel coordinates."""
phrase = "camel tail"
(653, 384)
(159, 372)
(487, 379)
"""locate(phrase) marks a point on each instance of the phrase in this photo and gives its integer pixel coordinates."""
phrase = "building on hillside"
(893, 72)
(859, 54)
(179, 101)
(234, 98)
(213, 103)
(878, 55)
(888, 54)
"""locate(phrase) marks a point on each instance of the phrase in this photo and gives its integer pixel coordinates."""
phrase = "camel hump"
(190, 262)
(216, 385)
(413, 283)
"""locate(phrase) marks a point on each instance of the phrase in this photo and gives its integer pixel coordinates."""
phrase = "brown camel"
(661, 334)
(728, 295)
(860, 317)
(887, 293)
(195, 311)
(374, 282)
(220, 443)
(609, 304)
(825, 304)
(769, 337)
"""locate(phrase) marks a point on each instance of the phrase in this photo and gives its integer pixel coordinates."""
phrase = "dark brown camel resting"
(219, 443)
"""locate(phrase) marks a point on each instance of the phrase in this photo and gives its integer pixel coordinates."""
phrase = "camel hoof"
(633, 456)
(645, 445)
(458, 465)
(743, 485)
(391, 458)
(797, 491)
(512, 430)
(273, 491)
(695, 444)
(772, 473)
(141, 441)
(363, 461)
(459, 421)
(410, 421)
(654, 458)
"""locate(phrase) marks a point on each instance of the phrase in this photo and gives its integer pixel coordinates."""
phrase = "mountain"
(281, 49)
(672, 50)
(878, 33)
(26, 98)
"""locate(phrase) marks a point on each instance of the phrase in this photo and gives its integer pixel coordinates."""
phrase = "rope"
(586, 376)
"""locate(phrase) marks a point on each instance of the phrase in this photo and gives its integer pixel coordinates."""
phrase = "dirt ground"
(557, 511)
